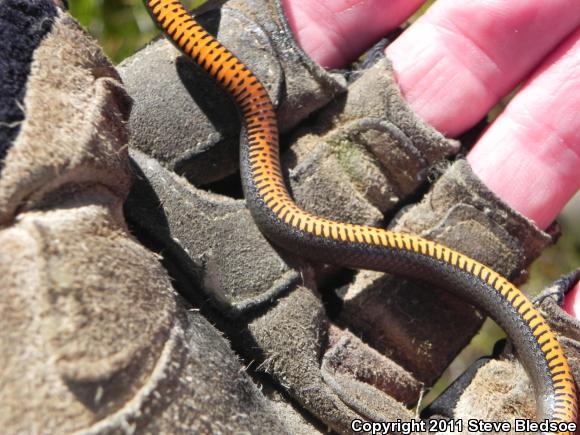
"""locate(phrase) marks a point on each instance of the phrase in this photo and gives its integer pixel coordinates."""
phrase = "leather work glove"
(162, 308)
(93, 336)
(358, 155)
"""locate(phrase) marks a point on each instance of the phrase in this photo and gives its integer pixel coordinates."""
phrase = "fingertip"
(335, 32)
(572, 302)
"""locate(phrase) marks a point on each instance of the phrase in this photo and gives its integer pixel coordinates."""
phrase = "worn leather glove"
(93, 337)
(358, 157)
(339, 346)
(500, 378)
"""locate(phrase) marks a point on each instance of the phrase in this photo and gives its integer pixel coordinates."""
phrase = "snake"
(354, 246)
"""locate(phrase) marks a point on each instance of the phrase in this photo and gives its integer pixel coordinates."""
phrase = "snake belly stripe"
(364, 247)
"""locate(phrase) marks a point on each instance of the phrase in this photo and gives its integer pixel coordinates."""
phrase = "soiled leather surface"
(138, 291)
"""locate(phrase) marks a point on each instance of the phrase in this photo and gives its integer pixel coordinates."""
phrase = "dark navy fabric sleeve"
(23, 24)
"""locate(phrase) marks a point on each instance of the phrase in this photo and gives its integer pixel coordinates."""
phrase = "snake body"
(359, 246)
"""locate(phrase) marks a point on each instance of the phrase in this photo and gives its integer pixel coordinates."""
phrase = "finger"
(530, 156)
(334, 32)
(572, 302)
(456, 62)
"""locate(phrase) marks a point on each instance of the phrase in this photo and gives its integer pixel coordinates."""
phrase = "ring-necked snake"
(358, 246)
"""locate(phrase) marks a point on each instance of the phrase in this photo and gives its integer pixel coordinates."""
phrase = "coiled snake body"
(359, 246)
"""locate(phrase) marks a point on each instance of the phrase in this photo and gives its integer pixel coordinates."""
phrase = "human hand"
(456, 62)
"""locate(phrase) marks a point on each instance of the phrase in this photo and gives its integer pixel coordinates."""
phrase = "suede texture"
(95, 337)
(183, 120)
(363, 154)
(92, 141)
(499, 389)
(423, 328)
(201, 235)
(367, 154)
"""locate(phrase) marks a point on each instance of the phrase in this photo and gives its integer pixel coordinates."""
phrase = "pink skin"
(326, 29)
(456, 62)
